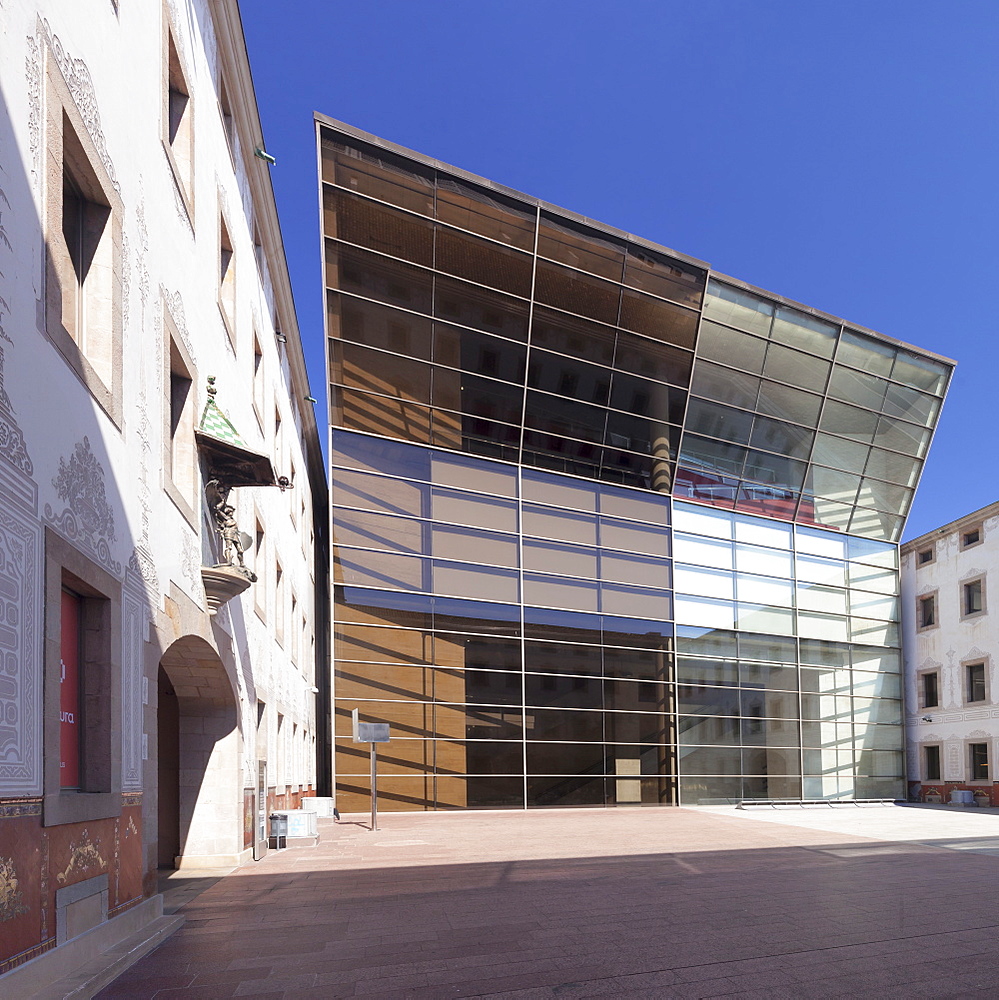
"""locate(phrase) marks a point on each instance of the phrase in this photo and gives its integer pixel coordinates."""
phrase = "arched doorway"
(198, 744)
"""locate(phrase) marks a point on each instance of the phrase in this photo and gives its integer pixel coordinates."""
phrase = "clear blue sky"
(844, 153)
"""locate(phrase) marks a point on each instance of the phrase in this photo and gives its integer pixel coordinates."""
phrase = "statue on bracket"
(234, 541)
(230, 463)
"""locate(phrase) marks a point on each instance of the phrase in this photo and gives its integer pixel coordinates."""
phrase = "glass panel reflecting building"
(608, 528)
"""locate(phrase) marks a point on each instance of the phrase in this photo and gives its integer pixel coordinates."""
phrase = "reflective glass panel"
(379, 278)
(577, 293)
(652, 359)
(865, 353)
(807, 332)
(731, 347)
(923, 373)
(485, 212)
(735, 307)
(663, 276)
(795, 368)
(562, 240)
(467, 305)
(655, 318)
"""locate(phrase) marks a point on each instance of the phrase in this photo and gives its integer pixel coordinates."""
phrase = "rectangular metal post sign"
(373, 733)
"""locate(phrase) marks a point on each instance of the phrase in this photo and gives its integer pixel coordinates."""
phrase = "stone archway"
(198, 759)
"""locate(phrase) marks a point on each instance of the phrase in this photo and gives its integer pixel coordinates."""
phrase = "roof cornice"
(235, 66)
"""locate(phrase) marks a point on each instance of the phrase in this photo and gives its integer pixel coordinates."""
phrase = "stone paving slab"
(550, 905)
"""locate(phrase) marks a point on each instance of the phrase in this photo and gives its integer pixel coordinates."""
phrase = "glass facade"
(608, 528)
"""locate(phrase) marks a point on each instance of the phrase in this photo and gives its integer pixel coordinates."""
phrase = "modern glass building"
(608, 528)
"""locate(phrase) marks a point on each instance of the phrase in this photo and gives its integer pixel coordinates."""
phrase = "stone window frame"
(969, 765)
(260, 550)
(228, 119)
(921, 689)
(228, 298)
(175, 354)
(966, 666)
(976, 534)
(87, 166)
(175, 73)
(281, 585)
(921, 624)
(924, 764)
(930, 553)
(99, 796)
(964, 593)
(258, 380)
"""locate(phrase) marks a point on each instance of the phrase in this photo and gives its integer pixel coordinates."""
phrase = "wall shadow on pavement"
(564, 921)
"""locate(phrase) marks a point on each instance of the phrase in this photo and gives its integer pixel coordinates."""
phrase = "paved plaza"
(646, 903)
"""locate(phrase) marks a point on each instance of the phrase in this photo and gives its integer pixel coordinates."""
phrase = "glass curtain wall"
(512, 627)
(518, 399)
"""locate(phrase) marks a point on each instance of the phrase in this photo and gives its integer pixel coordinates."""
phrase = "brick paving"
(644, 903)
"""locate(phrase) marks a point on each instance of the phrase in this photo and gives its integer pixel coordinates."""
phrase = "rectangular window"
(279, 602)
(924, 556)
(225, 111)
(930, 689)
(979, 753)
(258, 255)
(87, 295)
(972, 599)
(971, 537)
(180, 457)
(259, 555)
(70, 721)
(179, 124)
(227, 281)
(931, 763)
(927, 611)
(258, 382)
(83, 260)
(975, 681)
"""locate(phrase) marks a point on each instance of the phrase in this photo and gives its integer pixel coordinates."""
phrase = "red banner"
(69, 692)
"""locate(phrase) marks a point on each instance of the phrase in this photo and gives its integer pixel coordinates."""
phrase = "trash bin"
(279, 830)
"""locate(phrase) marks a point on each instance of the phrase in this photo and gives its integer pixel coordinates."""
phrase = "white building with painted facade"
(950, 644)
(154, 702)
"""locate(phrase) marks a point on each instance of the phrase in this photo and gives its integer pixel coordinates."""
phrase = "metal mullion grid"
(520, 512)
(463, 489)
(616, 327)
(584, 545)
(417, 555)
(870, 445)
(430, 269)
(434, 221)
(607, 410)
(671, 680)
(610, 389)
(429, 316)
(929, 443)
(676, 466)
(621, 283)
(611, 370)
(429, 405)
(810, 462)
(824, 395)
(795, 636)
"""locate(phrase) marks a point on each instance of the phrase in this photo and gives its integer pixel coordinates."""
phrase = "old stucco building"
(156, 697)
(950, 641)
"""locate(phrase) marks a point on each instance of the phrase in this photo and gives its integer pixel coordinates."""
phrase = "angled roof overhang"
(229, 459)
(233, 464)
